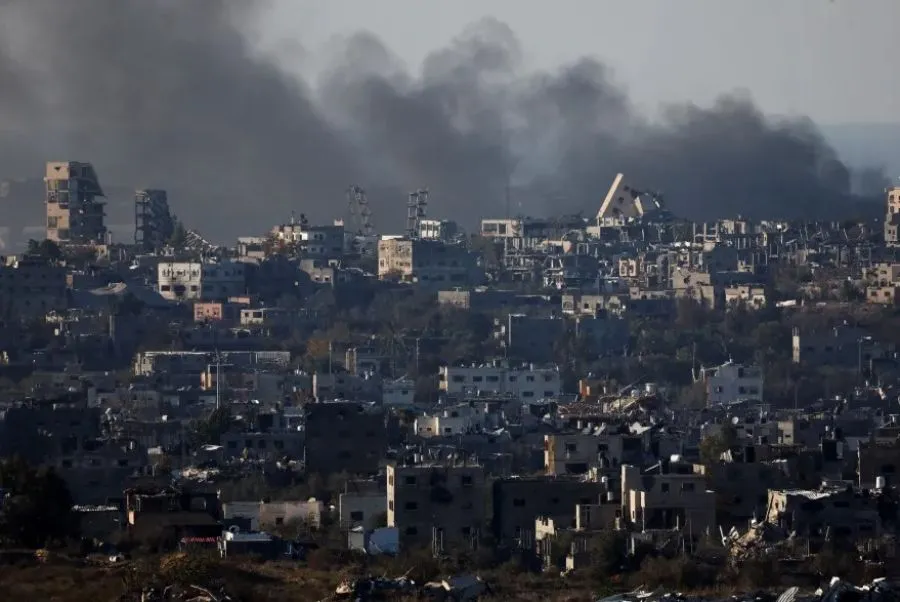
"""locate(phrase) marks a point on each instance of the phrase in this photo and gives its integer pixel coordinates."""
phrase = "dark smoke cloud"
(170, 94)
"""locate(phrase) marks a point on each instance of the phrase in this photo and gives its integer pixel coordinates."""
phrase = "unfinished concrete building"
(153, 221)
(75, 215)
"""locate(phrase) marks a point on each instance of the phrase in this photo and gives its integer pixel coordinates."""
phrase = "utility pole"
(218, 379)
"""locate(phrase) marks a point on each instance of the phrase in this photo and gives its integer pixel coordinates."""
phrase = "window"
(687, 487)
(519, 502)
(409, 480)
(410, 506)
(664, 487)
(412, 531)
(466, 480)
(356, 515)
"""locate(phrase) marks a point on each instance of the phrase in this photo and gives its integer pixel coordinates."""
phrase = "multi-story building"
(344, 437)
(892, 217)
(732, 382)
(518, 502)
(433, 503)
(74, 213)
(438, 229)
(838, 346)
(579, 453)
(428, 262)
(526, 382)
(670, 495)
(317, 242)
(192, 281)
(153, 222)
(31, 287)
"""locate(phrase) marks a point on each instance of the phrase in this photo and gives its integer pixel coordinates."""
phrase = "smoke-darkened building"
(344, 437)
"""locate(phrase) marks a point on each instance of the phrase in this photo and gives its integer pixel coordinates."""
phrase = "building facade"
(525, 382)
(429, 262)
(75, 215)
(193, 281)
(443, 502)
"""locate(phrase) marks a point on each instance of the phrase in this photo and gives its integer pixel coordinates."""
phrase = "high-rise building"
(892, 217)
(153, 222)
(74, 213)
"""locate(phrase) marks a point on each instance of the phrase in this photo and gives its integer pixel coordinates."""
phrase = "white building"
(732, 382)
(398, 393)
(438, 229)
(450, 422)
(183, 281)
(526, 382)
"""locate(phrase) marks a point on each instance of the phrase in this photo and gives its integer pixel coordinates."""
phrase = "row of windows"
(492, 378)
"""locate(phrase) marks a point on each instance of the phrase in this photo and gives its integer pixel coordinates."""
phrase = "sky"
(725, 106)
(831, 60)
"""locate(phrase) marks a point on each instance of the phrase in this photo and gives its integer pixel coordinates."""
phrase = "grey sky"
(832, 60)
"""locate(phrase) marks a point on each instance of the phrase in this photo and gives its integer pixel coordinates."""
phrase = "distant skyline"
(830, 60)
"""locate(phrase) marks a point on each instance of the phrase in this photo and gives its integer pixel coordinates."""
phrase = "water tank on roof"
(880, 482)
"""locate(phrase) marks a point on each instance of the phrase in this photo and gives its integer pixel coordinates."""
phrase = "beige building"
(74, 213)
(892, 217)
(579, 453)
(668, 496)
(751, 297)
(193, 281)
(426, 262)
(447, 502)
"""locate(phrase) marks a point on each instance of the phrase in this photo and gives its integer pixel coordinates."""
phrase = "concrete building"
(530, 338)
(75, 215)
(667, 496)
(192, 281)
(362, 509)
(623, 204)
(344, 437)
(31, 287)
(153, 221)
(591, 305)
(892, 217)
(438, 229)
(216, 311)
(527, 382)
(314, 242)
(838, 346)
(732, 382)
(838, 512)
(518, 502)
(751, 297)
(427, 262)
(579, 453)
(432, 501)
(400, 393)
(879, 460)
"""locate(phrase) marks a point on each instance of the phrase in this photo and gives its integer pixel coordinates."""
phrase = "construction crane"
(360, 213)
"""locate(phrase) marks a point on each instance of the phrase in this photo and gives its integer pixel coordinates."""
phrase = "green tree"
(36, 506)
(210, 431)
(713, 446)
(178, 240)
(45, 249)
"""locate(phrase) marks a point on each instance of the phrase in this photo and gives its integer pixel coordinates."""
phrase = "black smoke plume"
(171, 94)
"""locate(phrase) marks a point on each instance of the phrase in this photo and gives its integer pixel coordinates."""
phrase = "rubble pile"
(838, 590)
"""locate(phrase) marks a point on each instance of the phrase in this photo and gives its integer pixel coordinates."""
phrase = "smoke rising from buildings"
(171, 94)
